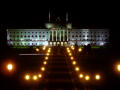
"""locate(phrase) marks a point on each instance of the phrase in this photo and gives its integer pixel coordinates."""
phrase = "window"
(39, 35)
(76, 35)
(105, 35)
(72, 35)
(80, 36)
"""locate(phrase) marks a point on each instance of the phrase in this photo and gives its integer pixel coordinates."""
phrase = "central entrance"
(58, 37)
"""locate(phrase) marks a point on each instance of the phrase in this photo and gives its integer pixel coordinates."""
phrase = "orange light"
(81, 75)
(80, 49)
(70, 54)
(74, 62)
(10, 67)
(49, 50)
(43, 68)
(46, 58)
(27, 77)
(77, 69)
(44, 47)
(68, 51)
(40, 75)
(71, 58)
(35, 77)
(37, 49)
(48, 54)
(67, 48)
(87, 77)
(97, 77)
(118, 67)
(44, 62)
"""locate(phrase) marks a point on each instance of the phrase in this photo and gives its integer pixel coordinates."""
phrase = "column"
(56, 35)
(67, 34)
(52, 35)
(60, 35)
(63, 35)
(49, 36)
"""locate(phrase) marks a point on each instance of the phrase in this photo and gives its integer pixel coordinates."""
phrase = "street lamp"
(97, 77)
(40, 75)
(77, 69)
(43, 68)
(79, 49)
(27, 77)
(87, 77)
(71, 58)
(10, 67)
(45, 62)
(46, 58)
(118, 67)
(35, 77)
(37, 49)
(74, 62)
(81, 75)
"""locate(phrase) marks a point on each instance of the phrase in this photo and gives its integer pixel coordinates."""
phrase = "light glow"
(43, 68)
(10, 67)
(97, 77)
(44, 62)
(35, 77)
(87, 77)
(40, 75)
(71, 58)
(81, 75)
(79, 49)
(37, 49)
(74, 62)
(27, 77)
(46, 58)
(118, 67)
(77, 69)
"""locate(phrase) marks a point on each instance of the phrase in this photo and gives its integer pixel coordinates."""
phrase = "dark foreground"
(59, 73)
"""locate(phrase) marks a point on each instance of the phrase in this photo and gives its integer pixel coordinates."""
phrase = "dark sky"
(81, 14)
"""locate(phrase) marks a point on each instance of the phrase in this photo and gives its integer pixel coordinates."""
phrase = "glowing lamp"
(10, 67)
(87, 77)
(74, 62)
(40, 75)
(97, 77)
(46, 58)
(118, 68)
(79, 49)
(42, 68)
(35, 77)
(37, 49)
(27, 77)
(80, 75)
(77, 69)
(71, 58)
(44, 62)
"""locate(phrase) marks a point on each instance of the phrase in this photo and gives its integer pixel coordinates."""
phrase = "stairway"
(58, 76)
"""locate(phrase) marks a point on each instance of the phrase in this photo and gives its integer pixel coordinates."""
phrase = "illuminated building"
(55, 36)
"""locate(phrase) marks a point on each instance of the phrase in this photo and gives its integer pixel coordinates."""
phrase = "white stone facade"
(53, 37)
